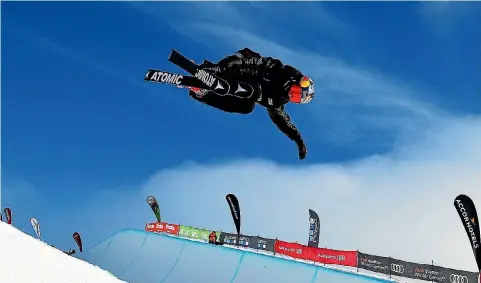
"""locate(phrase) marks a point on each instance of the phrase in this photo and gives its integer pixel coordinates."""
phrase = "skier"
(212, 237)
(275, 83)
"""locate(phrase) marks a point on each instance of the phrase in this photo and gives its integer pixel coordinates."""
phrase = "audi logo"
(454, 278)
(400, 269)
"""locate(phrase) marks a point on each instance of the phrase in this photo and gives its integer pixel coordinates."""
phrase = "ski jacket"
(271, 77)
(213, 236)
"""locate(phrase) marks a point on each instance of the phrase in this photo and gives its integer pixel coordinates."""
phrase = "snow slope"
(24, 259)
(140, 257)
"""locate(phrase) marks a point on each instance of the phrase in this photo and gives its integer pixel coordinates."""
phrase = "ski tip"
(174, 54)
(148, 74)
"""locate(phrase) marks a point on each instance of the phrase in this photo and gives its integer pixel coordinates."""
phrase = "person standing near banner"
(213, 238)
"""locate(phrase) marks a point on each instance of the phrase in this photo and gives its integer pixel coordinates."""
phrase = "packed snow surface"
(24, 259)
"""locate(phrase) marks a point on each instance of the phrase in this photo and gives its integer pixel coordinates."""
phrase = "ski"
(210, 81)
(159, 76)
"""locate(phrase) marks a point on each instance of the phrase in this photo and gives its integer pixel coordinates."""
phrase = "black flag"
(467, 212)
(235, 210)
(313, 229)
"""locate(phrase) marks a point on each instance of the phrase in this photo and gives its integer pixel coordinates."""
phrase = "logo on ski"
(164, 77)
(200, 79)
(205, 77)
(215, 84)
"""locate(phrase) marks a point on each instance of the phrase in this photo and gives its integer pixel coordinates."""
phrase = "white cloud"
(400, 204)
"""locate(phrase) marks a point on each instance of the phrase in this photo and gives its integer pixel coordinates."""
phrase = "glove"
(301, 147)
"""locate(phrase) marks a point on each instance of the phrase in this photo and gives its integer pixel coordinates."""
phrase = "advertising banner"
(253, 242)
(247, 241)
(244, 240)
(469, 217)
(294, 250)
(313, 229)
(234, 210)
(196, 233)
(379, 264)
(447, 275)
(36, 227)
(171, 228)
(328, 256)
(265, 244)
(403, 268)
(185, 231)
(162, 227)
(228, 238)
(154, 205)
(78, 240)
(8, 214)
(200, 234)
(428, 272)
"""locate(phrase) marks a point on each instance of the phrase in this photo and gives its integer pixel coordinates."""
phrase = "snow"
(24, 259)
(138, 256)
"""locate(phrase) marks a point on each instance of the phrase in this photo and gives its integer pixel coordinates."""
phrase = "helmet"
(302, 92)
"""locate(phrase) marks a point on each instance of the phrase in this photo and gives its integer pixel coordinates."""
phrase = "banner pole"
(390, 267)
(357, 261)
(432, 267)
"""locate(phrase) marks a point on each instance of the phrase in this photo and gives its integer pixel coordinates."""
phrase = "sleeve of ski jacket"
(283, 122)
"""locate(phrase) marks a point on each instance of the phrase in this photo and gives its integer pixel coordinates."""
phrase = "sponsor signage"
(429, 272)
(373, 263)
(337, 257)
(313, 229)
(228, 239)
(326, 256)
(265, 244)
(293, 250)
(162, 227)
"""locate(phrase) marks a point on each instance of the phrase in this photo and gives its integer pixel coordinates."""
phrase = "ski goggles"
(303, 92)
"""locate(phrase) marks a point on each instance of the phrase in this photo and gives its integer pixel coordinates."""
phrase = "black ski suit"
(269, 76)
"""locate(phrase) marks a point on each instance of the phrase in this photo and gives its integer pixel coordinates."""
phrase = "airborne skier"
(275, 83)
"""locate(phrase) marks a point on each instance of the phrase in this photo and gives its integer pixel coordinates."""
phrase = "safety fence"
(383, 265)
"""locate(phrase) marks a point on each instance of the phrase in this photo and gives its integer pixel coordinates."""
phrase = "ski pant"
(227, 103)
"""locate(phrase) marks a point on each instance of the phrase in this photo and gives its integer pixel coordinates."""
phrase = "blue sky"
(85, 140)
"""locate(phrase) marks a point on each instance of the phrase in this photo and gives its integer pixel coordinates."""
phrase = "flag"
(313, 229)
(36, 227)
(154, 205)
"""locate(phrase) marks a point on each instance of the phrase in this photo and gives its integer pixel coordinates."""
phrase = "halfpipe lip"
(247, 252)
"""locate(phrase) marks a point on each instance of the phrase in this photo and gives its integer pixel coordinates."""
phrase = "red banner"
(162, 227)
(294, 250)
(326, 256)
